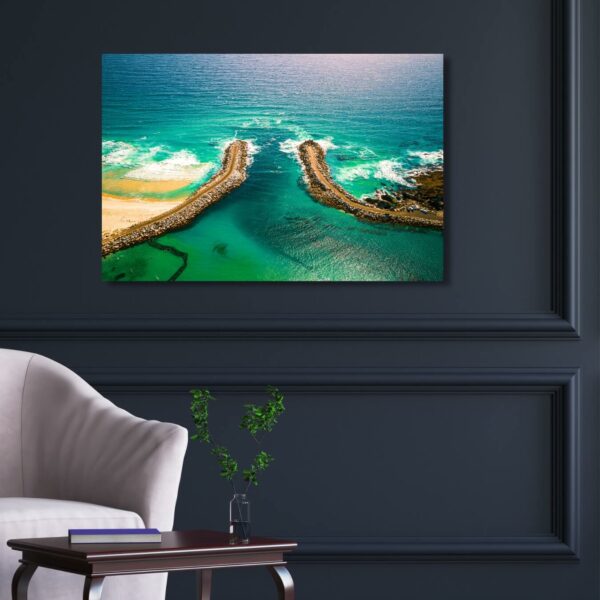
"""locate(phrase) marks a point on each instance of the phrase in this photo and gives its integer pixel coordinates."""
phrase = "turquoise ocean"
(168, 117)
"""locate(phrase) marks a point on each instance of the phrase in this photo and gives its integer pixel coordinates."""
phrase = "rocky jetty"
(386, 207)
(232, 174)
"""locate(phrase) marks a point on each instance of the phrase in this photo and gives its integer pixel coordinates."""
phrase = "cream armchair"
(69, 458)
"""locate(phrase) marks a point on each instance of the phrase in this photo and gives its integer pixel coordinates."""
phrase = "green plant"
(257, 421)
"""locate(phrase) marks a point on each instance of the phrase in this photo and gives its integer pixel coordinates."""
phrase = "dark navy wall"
(441, 439)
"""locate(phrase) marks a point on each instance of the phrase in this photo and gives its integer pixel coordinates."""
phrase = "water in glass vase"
(239, 519)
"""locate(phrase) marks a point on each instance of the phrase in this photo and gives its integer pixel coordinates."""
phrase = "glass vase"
(239, 519)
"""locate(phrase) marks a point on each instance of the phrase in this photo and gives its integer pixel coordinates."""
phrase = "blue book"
(114, 536)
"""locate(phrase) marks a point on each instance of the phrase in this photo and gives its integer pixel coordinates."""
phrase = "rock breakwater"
(232, 174)
(324, 189)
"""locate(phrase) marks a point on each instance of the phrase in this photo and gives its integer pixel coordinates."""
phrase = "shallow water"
(168, 117)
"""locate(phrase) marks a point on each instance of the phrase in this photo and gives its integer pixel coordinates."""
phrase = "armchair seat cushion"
(43, 517)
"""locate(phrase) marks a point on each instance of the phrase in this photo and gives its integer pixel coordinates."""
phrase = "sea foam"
(262, 122)
(276, 122)
(392, 170)
(435, 157)
(181, 165)
(123, 154)
(117, 153)
(351, 173)
(326, 144)
(253, 147)
(290, 146)
(389, 170)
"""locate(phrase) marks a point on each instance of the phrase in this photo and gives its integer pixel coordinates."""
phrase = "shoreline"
(232, 174)
(324, 189)
(119, 213)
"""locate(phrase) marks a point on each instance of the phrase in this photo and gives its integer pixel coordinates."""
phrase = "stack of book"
(114, 536)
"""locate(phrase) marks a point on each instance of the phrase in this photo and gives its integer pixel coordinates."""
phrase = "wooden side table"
(201, 551)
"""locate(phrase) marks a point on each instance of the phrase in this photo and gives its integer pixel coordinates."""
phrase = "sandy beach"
(120, 213)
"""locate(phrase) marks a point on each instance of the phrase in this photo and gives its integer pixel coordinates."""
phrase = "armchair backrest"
(74, 444)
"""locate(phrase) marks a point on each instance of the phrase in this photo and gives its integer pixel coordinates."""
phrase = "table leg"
(21, 579)
(204, 583)
(92, 589)
(283, 581)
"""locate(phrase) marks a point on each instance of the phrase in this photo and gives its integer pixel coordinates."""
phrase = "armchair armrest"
(77, 445)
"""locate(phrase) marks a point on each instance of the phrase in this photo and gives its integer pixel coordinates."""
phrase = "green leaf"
(229, 466)
(263, 418)
(199, 410)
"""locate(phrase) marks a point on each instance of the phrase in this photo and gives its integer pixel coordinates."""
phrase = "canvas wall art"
(272, 167)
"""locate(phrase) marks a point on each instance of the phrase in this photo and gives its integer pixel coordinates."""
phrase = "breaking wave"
(155, 163)
(389, 170)
(434, 157)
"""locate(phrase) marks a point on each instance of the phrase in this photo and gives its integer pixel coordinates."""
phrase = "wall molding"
(561, 384)
(562, 321)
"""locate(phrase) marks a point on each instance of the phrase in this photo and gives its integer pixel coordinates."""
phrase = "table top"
(173, 544)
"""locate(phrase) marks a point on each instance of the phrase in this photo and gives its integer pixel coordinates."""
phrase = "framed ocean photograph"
(273, 167)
